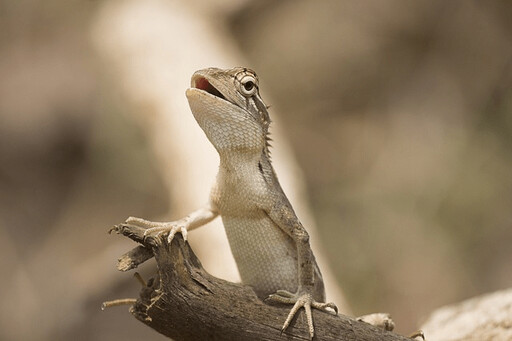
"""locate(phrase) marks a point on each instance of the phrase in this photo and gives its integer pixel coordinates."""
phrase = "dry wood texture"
(184, 302)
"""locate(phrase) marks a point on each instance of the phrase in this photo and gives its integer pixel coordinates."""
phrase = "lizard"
(269, 243)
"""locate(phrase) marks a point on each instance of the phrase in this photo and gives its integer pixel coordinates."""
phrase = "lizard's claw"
(156, 229)
(169, 228)
(300, 300)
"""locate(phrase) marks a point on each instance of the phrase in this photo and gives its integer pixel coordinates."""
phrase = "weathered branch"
(184, 302)
(134, 258)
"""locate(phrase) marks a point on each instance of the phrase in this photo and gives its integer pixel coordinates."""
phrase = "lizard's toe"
(284, 293)
(175, 229)
(155, 231)
(170, 229)
(301, 300)
(143, 222)
(329, 307)
(282, 296)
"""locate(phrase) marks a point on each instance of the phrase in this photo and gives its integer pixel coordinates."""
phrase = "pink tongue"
(202, 84)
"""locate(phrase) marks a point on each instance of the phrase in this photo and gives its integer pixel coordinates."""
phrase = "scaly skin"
(270, 245)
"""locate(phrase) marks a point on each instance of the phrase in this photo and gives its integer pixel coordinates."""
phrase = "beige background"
(398, 114)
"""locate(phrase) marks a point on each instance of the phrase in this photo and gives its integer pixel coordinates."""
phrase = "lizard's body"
(265, 255)
(270, 245)
(251, 234)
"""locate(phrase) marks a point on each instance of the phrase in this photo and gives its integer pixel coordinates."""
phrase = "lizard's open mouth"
(202, 83)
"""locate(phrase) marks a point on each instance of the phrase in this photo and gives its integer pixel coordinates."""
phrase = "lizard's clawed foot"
(156, 229)
(299, 300)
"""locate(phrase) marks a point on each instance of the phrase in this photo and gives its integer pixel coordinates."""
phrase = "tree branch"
(134, 258)
(184, 302)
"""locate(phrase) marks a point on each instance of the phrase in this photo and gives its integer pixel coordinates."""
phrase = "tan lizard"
(270, 246)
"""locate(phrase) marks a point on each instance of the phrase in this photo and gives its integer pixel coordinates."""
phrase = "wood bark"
(184, 302)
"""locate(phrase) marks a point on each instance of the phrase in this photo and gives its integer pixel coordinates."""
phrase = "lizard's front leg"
(190, 222)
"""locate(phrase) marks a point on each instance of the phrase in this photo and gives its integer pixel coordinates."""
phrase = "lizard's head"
(229, 109)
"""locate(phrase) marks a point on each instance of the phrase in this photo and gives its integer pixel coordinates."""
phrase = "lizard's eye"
(248, 86)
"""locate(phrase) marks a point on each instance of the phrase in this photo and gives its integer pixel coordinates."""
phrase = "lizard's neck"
(249, 166)
(234, 161)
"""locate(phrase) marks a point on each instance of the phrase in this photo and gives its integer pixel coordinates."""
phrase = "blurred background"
(398, 113)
